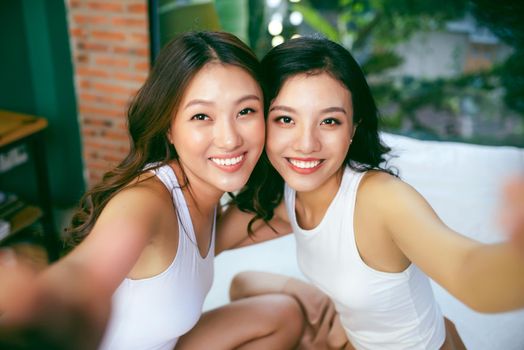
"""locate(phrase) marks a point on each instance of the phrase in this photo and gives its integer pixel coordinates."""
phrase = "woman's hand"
(329, 335)
(315, 304)
(37, 312)
(512, 214)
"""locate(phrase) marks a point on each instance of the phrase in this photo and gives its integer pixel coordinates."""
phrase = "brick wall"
(110, 52)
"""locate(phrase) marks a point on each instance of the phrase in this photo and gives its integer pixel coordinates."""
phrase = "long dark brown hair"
(307, 55)
(151, 111)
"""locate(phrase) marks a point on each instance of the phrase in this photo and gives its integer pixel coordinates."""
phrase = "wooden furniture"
(18, 129)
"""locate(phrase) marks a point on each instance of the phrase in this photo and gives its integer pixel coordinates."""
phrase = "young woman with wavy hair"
(143, 240)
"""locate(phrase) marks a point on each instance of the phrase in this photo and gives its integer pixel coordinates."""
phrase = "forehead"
(313, 88)
(220, 76)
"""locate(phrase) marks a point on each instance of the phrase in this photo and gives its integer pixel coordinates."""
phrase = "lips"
(229, 163)
(305, 165)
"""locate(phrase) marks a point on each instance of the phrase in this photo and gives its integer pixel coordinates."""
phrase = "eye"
(200, 117)
(330, 121)
(246, 111)
(284, 120)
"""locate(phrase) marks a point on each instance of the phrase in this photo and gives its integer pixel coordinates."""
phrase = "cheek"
(187, 140)
(259, 130)
(279, 138)
(275, 143)
(254, 133)
(337, 142)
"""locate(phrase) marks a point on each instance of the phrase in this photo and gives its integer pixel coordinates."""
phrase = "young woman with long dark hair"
(364, 237)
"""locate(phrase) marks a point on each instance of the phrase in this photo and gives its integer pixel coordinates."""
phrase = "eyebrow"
(282, 108)
(208, 103)
(334, 109)
(292, 110)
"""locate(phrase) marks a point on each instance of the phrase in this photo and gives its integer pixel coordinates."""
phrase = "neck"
(197, 194)
(311, 206)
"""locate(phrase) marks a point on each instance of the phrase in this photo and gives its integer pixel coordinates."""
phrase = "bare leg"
(323, 329)
(272, 321)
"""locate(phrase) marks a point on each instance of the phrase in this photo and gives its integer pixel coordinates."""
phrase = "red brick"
(112, 158)
(82, 57)
(138, 78)
(129, 22)
(134, 51)
(89, 110)
(122, 126)
(77, 32)
(86, 84)
(115, 135)
(92, 72)
(110, 47)
(97, 122)
(99, 167)
(104, 99)
(112, 61)
(142, 66)
(101, 144)
(140, 38)
(97, 47)
(90, 20)
(89, 132)
(105, 6)
(94, 177)
(108, 35)
(113, 88)
(75, 3)
(138, 8)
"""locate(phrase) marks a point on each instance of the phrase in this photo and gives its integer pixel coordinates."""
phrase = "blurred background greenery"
(439, 69)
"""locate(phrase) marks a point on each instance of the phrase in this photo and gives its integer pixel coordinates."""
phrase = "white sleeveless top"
(378, 310)
(152, 313)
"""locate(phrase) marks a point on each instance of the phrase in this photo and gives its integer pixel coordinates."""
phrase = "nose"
(227, 135)
(307, 140)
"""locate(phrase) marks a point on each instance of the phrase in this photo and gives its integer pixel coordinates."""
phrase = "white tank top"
(378, 310)
(152, 313)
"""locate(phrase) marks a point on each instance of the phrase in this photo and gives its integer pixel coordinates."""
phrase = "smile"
(227, 161)
(304, 164)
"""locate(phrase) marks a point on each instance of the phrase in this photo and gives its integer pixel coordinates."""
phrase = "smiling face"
(309, 130)
(218, 129)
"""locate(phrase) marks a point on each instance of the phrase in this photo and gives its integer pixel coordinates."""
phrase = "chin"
(302, 186)
(232, 186)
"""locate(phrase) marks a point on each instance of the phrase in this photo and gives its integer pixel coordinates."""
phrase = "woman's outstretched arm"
(71, 299)
(34, 315)
(512, 212)
(486, 277)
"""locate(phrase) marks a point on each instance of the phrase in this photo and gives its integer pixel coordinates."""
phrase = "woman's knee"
(286, 313)
(238, 285)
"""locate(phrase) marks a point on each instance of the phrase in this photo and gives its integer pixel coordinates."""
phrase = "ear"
(168, 135)
(354, 130)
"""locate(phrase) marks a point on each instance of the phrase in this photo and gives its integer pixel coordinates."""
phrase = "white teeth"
(228, 161)
(304, 165)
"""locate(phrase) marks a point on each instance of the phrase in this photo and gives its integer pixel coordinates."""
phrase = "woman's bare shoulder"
(377, 180)
(145, 193)
(382, 190)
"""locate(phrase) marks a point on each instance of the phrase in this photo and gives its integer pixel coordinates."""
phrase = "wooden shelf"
(21, 219)
(25, 218)
(16, 126)
(28, 130)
